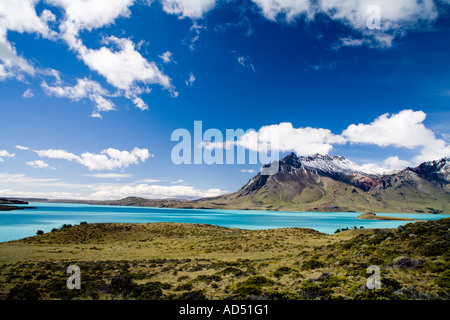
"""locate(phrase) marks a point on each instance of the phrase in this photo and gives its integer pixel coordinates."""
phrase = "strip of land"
(6, 204)
(373, 216)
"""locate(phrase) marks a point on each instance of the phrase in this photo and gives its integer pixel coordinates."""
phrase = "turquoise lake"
(24, 223)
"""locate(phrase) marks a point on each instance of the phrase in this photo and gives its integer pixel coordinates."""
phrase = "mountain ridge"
(328, 183)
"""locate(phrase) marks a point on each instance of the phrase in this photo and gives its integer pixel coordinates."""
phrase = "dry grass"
(188, 261)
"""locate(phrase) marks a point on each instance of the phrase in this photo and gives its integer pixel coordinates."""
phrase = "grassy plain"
(194, 261)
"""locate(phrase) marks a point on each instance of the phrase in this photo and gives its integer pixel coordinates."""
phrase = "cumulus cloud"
(108, 159)
(404, 130)
(117, 60)
(284, 137)
(19, 16)
(124, 67)
(5, 154)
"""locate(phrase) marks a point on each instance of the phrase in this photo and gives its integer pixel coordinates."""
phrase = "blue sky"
(91, 91)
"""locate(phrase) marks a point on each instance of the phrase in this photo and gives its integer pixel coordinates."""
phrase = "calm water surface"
(24, 223)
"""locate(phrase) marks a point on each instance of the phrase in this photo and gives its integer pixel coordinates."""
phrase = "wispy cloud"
(111, 175)
(39, 164)
(190, 81)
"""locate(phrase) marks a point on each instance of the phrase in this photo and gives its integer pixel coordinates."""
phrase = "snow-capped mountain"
(333, 165)
(323, 182)
(333, 183)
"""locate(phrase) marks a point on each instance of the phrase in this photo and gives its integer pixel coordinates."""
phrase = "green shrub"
(250, 287)
(26, 291)
(207, 278)
(150, 290)
(245, 291)
(443, 280)
(192, 295)
(311, 264)
(184, 287)
(435, 248)
(313, 291)
(120, 285)
(376, 294)
(281, 271)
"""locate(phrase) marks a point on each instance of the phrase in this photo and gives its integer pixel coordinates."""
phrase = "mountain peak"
(322, 163)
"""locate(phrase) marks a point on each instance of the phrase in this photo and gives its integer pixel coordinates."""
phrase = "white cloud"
(6, 154)
(124, 67)
(188, 8)
(108, 159)
(56, 154)
(404, 130)
(111, 159)
(19, 16)
(394, 163)
(117, 61)
(22, 148)
(248, 170)
(38, 164)
(21, 185)
(84, 89)
(148, 180)
(190, 80)
(290, 9)
(397, 17)
(166, 57)
(90, 14)
(153, 192)
(178, 181)
(389, 165)
(284, 137)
